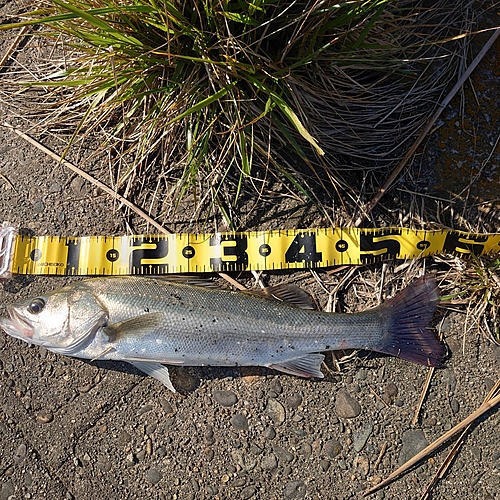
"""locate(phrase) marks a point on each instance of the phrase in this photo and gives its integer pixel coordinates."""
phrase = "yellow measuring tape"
(238, 251)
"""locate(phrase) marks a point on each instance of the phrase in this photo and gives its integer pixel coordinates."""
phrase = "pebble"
(248, 492)
(325, 465)
(276, 411)
(45, 417)
(361, 436)
(294, 401)
(225, 398)
(7, 490)
(38, 206)
(413, 442)
(145, 409)
(154, 475)
(390, 392)
(55, 188)
(78, 186)
(269, 462)
(295, 490)
(362, 464)
(208, 435)
(455, 406)
(332, 448)
(269, 433)
(276, 386)
(346, 406)
(361, 374)
(282, 454)
(167, 407)
(20, 453)
(239, 422)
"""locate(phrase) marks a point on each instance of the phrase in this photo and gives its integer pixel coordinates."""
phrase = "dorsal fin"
(285, 292)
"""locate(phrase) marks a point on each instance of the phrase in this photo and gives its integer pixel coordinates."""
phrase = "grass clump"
(206, 96)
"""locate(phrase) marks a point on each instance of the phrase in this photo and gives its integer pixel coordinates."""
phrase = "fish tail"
(408, 314)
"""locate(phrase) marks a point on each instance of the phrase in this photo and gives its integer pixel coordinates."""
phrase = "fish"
(150, 321)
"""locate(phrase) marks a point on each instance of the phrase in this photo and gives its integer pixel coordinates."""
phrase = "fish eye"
(36, 305)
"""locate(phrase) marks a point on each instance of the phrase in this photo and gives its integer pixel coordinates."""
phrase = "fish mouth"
(16, 325)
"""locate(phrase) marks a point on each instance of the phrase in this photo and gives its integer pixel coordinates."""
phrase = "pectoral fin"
(137, 326)
(155, 370)
(306, 366)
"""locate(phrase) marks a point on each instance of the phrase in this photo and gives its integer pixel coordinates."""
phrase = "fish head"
(62, 321)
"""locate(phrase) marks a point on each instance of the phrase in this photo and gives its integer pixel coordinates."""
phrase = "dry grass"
(256, 103)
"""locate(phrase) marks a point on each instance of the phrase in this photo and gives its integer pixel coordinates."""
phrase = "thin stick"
(89, 178)
(427, 128)
(425, 388)
(486, 406)
(106, 189)
(13, 46)
(456, 447)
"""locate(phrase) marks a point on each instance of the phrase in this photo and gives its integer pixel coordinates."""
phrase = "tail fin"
(408, 315)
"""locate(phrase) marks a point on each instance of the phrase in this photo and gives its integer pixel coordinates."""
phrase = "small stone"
(167, 407)
(225, 398)
(325, 465)
(161, 452)
(332, 448)
(294, 401)
(20, 453)
(276, 411)
(239, 422)
(145, 409)
(45, 417)
(7, 490)
(269, 433)
(78, 186)
(390, 392)
(362, 463)
(154, 475)
(295, 490)
(248, 492)
(38, 206)
(361, 437)
(361, 374)
(269, 462)
(276, 386)
(55, 188)
(346, 406)
(123, 438)
(209, 436)
(282, 454)
(413, 442)
(455, 406)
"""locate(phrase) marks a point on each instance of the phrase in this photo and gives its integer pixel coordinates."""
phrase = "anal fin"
(305, 366)
(155, 370)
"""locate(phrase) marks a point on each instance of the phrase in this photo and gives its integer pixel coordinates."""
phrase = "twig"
(486, 406)
(427, 128)
(13, 46)
(425, 388)
(380, 456)
(426, 385)
(89, 178)
(453, 452)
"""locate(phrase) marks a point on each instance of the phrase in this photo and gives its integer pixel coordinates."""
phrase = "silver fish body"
(148, 321)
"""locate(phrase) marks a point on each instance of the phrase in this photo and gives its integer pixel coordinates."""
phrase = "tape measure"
(231, 251)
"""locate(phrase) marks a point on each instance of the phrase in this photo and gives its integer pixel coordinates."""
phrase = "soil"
(78, 429)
